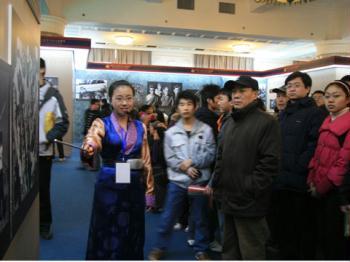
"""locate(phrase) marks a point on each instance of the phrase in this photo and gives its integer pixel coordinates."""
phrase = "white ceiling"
(202, 41)
(191, 41)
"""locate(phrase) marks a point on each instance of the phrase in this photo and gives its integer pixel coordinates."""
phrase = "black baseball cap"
(247, 81)
(281, 89)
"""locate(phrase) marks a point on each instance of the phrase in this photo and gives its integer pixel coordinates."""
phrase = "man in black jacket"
(207, 112)
(247, 161)
(292, 204)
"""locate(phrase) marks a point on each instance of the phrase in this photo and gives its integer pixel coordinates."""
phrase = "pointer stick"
(68, 144)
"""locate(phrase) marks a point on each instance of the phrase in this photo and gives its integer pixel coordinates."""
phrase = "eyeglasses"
(120, 99)
(296, 85)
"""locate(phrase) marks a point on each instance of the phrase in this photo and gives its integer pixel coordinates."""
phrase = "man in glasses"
(292, 204)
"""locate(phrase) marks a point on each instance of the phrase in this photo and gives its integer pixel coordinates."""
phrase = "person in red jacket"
(328, 167)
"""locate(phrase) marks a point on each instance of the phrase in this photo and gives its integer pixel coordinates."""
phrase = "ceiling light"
(243, 48)
(289, 1)
(124, 40)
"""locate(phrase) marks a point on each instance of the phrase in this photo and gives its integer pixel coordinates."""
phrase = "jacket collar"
(295, 105)
(180, 127)
(339, 126)
(238, 114)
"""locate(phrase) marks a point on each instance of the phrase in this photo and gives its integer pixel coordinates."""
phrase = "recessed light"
(124, 40)
(242, 48)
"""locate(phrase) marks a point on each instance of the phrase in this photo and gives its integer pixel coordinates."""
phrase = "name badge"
(122, 173)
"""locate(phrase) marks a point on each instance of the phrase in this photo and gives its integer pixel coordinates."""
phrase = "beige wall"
(25, 244)
(59, 63)
(55, 7)
(3, 32)
(21, 7)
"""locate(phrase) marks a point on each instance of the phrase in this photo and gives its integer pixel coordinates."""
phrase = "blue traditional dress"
(117, 227)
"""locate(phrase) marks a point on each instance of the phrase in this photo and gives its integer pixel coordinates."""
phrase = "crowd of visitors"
(242, 182)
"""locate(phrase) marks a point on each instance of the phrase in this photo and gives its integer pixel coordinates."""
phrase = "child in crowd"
(328, 167)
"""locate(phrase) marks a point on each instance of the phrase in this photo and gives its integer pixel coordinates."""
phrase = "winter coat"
(331, 159)
(199, 146)
(299, 123)
(208, 117)
(344, 190)
(53, 119)
(247, 161)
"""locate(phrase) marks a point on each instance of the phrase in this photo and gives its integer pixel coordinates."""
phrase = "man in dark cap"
(318, 96)
(247, 161)
(281, 99)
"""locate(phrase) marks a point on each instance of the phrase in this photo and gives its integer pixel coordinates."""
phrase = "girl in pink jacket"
(328, 167)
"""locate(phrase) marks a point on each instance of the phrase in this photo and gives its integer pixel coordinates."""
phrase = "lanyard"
(123, 134)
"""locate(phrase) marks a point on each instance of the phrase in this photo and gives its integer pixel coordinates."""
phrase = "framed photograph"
(89, 89)
(24, 133)
(162, 94)
(6, 73)
(35, 7)
(272, 104)
(140, 93)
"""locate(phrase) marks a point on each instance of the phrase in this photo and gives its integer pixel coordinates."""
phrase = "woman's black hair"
(117, 84)
(342, 85)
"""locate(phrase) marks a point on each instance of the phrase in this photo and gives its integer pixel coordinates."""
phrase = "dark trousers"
(272, 245)
(213, 222)
(294, 225)
(184, 217)
(45, 163)
(332, 243)
(160, 185)
(59, 148)
(244, 238)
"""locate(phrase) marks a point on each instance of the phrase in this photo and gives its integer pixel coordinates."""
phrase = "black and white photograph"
(140, 94)
(162, 94)
(5, 87)
(272, 104)
(89, 89)
(262, 93)
(25, 104)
